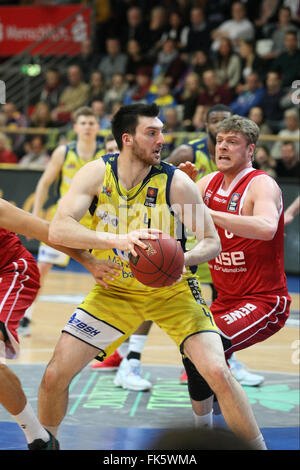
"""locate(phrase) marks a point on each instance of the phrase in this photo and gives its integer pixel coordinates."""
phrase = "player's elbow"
(269, 234)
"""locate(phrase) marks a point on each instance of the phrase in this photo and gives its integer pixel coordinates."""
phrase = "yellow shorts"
(107, 317)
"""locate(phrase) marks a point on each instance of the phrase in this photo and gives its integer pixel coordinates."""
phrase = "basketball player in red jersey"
(19, 284)
(247, 208)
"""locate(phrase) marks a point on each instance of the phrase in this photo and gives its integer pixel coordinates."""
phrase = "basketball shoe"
(129, 376)
(110, 363)
(39, 444)
(242, 375)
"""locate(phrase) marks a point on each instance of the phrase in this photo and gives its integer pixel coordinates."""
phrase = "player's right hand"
(190, 169)
(127, 241)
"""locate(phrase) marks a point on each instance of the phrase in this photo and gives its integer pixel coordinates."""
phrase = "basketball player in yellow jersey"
(65, 161)
(132, 191)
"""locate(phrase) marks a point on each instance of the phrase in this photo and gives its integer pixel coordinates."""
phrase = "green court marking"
(83, 392)
(74, 381)
(137, 400)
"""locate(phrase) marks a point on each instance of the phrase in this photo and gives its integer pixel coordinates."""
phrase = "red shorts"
(246, 322)
(19, 285)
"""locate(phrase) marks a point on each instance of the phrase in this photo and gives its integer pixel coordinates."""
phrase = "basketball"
(160, 264)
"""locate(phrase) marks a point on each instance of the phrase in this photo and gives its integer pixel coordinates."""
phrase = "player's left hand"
(190, 169)
(104, 269)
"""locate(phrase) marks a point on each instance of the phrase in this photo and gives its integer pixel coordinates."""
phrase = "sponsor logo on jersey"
(151, 197)
(232, 205)
(207, 197)
(106, 190)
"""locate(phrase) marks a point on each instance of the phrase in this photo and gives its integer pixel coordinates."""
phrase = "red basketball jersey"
(11, 248)
(245, 266)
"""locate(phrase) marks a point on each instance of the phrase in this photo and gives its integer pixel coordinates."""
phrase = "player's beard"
(139, 153)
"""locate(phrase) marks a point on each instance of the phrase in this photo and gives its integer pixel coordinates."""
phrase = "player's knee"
(219, 377)
(55, 378)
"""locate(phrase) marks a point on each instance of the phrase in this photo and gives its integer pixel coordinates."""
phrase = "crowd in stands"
(186, 56)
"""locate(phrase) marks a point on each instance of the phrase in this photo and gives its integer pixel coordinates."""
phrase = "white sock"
(204, 421)
(30, 425)
(258, 443)
(137, 343)
(123, 349)
(28, 313)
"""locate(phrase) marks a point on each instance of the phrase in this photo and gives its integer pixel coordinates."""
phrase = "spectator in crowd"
(14, 119)
(256, 114)
(294, 6)
(97, 87)
(52, 89)
(88, 60)
(250, 62)
(250, 97)
(41, 116)
(169, 66)
(6, 155)
(110, 144)
(288, 63)
(213, 93)
(264, 161)
(157, 26)
(140, 92)
(98, 108)
(291, 130)
(198, 63)
(270, 102)
(135, 28)
(37, 155)
(174, 29)
(116, 91)
(196, 35)
(288, 165)
(189, 100)
(236, 28)
(268, 10)
(114, 61)
(136, 60)
(216, 12)
(172, 122)
(227, 64)
(74, 95)
(164, 99)
(283, 26)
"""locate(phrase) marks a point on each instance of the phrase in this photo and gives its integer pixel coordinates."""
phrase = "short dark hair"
(218, 108)
(126, 119)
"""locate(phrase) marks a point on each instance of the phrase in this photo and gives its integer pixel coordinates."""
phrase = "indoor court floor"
(101, 416)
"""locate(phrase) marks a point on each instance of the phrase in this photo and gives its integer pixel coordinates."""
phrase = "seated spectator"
(268, 11)
(14, 119)
(294, 6)
(73, 96)
(256, 114)
(227, 64)
(174, 28)
(164, 99)
(97, 87)
(172, 122)
(189, 100)
(250, 62)
(287, 64)
(264, 161)
(41, 116)
(110, 144)
(114, 61)
(115, 92)
(6, 155)
(270, 102)
(277, 35)
(136, 60)
(236, 28)
(213, 93)
(288, 165)
(250, 97)
(37, 155)
(88, 60)
(169, 66)
(196, 35)
(216, 12)
(140, 92)
(52, 89)
(103, 118)
(291, 130)
(135, 28)
(157, 26)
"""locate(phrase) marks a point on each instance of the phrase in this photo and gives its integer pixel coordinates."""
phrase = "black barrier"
(18, 185)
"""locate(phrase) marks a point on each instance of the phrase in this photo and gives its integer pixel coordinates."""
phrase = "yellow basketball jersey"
(72, 164)
(120, 211)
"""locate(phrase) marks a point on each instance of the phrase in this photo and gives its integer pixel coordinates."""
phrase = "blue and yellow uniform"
(107, 317)
(71, 165)
(204, 165)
